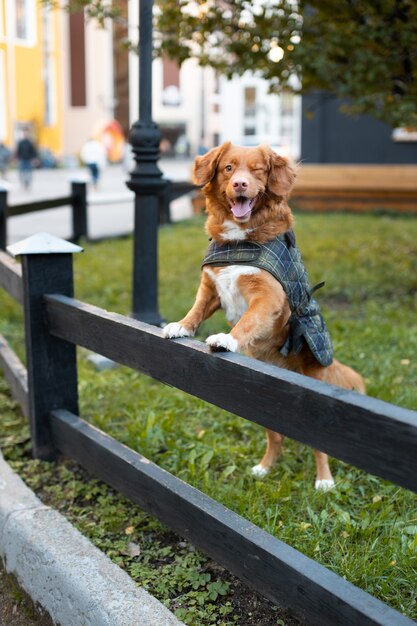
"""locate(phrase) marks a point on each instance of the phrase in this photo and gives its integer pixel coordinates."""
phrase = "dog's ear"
(205, 166)
(282, 173)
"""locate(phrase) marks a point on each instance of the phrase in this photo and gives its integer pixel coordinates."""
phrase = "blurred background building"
(87, 80)
(197, 109)
(68, 80)
(56, 77)
(30, 73)
(329, 136)
(250, 115)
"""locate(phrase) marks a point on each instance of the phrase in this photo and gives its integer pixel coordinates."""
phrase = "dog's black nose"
(240, 183)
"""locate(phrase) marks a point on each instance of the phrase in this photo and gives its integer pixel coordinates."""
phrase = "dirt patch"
(16, 608)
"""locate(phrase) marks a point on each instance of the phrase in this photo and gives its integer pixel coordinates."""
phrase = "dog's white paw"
(222, 341)
(324, 485)
(259, 471)
(172, 330)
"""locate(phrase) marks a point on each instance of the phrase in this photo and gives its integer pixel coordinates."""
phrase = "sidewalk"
(111, 207)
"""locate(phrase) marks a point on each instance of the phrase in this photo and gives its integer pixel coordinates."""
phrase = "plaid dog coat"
(281, 258)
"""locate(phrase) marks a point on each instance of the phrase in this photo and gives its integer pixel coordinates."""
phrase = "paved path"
(110, 207)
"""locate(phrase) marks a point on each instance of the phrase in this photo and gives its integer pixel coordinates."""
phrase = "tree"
(363, 51)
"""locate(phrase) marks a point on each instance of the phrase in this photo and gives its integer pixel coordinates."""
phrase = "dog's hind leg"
(342, 376)
(272, 453)
(324, 478)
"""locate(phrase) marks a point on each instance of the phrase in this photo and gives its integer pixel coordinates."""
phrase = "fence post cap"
(5, 185)
(43, 243)
(78, 178)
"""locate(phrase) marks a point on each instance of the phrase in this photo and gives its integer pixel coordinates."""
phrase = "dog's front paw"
(259, 471)
(324, 485)
(222, 341)
(174, 329)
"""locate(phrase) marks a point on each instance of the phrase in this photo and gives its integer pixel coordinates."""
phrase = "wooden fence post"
(3, 219)
(51, 362)
(79, 210)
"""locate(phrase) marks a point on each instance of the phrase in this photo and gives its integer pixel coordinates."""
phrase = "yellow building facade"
(30, 76)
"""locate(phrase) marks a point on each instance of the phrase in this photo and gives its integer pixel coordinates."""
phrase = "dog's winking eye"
(229, 168)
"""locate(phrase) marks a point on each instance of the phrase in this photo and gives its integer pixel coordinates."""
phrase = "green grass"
(365, 530)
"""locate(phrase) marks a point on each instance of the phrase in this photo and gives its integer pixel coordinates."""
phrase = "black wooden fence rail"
(14, 372)
(11, 277)
(77, 200)
(357, 429)
(371, 434)
(274, 569)
(16, 375)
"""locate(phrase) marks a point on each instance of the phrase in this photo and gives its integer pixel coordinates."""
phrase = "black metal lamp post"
(146, 181)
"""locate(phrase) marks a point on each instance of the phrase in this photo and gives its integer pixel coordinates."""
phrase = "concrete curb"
(61, 570)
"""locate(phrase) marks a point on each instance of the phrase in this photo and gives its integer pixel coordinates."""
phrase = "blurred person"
(5, 156)
(181, 147)
(93, 155)
(26, 154)
(128, 161)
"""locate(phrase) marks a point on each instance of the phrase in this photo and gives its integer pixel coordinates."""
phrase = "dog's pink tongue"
(241, 207)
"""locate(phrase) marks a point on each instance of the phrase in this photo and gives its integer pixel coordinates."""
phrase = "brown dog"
(246, 192)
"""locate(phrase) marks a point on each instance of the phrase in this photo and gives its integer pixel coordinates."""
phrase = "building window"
(287, 118)
(24, 20)
(287, 104)
(49, 83)
(289, 125)
(1, 24)
(249, 131)
(171, 95)
(21, 19)
(3, 118)
(250, 101)
(77, 60)
(216, 95)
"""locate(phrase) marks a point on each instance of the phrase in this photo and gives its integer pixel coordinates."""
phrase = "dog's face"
(240, 178)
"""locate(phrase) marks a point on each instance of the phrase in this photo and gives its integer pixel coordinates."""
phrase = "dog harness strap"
(281, 258)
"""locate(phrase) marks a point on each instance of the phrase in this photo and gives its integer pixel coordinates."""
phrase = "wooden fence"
(324, 187)
(77, 201)
(356, 188)
(376, 436)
